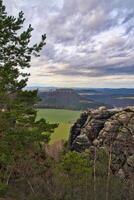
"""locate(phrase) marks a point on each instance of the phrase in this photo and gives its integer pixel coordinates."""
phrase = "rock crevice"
(107, 128)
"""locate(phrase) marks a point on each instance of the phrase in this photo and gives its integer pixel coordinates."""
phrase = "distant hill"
(65, 98)
(83, 98)
(121, 97)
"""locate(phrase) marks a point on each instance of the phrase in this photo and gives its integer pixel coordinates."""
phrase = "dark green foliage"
(26, 172)
(15, 51)
(21, 136)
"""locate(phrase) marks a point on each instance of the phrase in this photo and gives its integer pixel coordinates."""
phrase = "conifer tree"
(21, 136)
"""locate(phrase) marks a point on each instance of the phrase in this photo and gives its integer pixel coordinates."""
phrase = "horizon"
(35, 86)
(89, 43)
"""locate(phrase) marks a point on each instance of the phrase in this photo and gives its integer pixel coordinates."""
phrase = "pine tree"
(21, 136)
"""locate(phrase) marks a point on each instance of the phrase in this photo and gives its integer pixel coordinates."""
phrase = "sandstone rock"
(81, 143)
(109, 129)
(130, 161)
(121, 174)
(96, 142)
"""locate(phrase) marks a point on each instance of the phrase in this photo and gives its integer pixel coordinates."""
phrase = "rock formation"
(112, 129)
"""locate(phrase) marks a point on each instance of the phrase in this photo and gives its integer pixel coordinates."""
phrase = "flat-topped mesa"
(107, 128)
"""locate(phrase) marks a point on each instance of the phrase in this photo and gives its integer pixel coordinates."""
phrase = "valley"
(65, 119)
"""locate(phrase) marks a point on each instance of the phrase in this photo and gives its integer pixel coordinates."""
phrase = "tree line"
(26, 170)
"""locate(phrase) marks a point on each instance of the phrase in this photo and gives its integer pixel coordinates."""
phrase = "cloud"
(84, 39)
(128, 17)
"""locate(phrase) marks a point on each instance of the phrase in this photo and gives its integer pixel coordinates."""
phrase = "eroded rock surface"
(112, 129)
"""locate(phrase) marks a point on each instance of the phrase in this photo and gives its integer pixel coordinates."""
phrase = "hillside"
(120, 97)
(65, 99)
(65, 119)
(84, 98)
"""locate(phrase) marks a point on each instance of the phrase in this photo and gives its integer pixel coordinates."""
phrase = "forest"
(31, 169)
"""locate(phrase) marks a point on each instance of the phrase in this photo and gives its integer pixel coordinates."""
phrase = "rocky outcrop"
(112, 129)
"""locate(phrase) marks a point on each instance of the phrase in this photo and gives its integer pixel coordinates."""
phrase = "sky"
(90, 43)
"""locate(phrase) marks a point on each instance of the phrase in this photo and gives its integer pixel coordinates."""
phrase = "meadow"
(65, 119)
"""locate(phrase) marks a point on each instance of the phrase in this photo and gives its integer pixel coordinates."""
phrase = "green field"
(65, 118)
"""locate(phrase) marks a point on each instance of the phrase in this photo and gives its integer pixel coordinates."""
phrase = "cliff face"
(110, 129)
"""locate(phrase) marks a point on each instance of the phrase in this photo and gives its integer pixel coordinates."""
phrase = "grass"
(65, 118)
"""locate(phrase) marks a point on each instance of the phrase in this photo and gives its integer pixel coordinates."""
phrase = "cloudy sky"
(90, 43)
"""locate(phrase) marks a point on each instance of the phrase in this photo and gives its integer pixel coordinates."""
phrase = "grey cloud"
(91, 38)
(100, 71)
(128, 17)
(129, 30)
